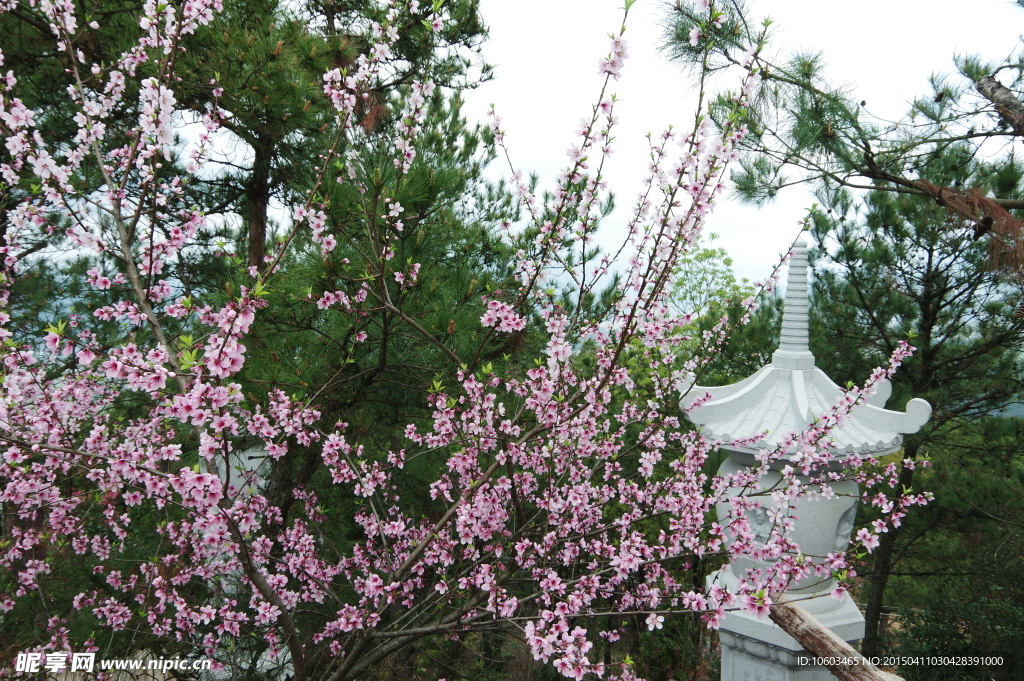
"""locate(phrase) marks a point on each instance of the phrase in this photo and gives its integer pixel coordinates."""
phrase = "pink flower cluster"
(564, 491)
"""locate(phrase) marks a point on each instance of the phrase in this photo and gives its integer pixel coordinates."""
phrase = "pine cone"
(1019, 312)
(983, 227)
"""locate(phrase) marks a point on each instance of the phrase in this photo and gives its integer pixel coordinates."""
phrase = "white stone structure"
(779, 399)
(242, 464)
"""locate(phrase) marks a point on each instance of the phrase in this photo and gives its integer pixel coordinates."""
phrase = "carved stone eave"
(776, 403)
(789, 394)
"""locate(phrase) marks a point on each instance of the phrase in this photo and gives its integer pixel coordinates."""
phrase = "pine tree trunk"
(258, 195)
(882, 569)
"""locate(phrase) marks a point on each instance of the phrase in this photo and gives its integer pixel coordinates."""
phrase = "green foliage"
(684, 648)
(897, 266)
(269, 59)
(958, 584)
(749, 180)
(806, 129)
(980, 615)
(728, 40)
(749, 346)
(43, 77)
(315, 351)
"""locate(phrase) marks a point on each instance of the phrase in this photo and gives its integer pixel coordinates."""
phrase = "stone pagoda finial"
(794, 349)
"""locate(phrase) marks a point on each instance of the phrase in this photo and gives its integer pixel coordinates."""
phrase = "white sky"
(546, 53)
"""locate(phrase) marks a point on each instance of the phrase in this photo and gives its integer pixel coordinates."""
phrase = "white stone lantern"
(781, 398)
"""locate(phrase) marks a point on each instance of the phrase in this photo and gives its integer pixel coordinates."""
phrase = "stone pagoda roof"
(787, 395)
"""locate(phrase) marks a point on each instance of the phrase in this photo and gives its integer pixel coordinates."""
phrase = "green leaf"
(188, 358)
(59, 329)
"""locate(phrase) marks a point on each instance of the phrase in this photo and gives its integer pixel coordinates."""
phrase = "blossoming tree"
(565, 490)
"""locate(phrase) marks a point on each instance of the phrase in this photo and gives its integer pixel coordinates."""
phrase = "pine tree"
(370, 371)
(269, 59)
(806, 129)
(898, 266)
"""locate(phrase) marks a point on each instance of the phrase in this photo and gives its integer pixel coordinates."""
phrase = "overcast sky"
(546, 53)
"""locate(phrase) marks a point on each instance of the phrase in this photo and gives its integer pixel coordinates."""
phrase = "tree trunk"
(840, 657)
(257, 192)
(883, 567)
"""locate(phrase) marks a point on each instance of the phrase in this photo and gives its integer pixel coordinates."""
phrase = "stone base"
(748, 659)
(756, 649)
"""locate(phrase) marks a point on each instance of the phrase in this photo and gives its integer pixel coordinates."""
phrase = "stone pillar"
(756, 649)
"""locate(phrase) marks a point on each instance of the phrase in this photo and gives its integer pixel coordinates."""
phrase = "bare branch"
(826, 644)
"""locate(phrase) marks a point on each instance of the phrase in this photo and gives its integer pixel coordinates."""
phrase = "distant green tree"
(707, 288)
(705, 280)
